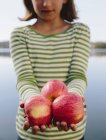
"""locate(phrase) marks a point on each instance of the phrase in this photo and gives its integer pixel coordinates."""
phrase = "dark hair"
(68, 12)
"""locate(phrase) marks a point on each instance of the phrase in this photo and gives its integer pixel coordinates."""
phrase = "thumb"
(21, 104)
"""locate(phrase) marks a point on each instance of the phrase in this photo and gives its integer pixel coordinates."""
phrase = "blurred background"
(90, 12)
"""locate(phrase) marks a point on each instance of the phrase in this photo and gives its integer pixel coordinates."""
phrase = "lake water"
(95, 98)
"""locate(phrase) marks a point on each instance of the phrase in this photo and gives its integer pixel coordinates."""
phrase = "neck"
(48, 27)
(53, 24)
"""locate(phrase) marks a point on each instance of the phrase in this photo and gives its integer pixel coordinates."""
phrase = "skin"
(49, 21)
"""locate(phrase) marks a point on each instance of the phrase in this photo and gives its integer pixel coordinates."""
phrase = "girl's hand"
(64, 126)
(35, 128)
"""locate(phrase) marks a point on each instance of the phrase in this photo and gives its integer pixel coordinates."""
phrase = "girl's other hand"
(35, 128)
(64, 126)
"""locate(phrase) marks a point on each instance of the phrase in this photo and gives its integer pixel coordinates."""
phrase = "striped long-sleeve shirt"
(38, 58)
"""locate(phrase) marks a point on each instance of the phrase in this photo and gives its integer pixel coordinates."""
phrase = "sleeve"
(26, 82)
(77, 79)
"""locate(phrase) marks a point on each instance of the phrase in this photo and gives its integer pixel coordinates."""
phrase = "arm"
(26, 82)
(77, 81)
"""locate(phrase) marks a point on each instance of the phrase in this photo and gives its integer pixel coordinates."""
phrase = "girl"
(54, 47)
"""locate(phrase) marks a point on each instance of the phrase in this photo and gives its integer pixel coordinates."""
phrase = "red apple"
(38, 110)
(68, 108)
(54, 88)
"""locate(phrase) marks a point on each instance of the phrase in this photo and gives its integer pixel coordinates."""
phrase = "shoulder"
(19, 31)
(82, 27)
(18, 34)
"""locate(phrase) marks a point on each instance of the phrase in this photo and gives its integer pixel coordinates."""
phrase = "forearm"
(26, 82)
(78, 86)
(27, 89)
(77, 82)
(76, 78)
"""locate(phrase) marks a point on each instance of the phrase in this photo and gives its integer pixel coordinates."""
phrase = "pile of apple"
(54, 102)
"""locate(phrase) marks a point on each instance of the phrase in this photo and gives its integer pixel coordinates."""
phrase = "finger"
(26, 118)
(85, 117)
(64, 126)
(26, 125)
(50, 126)
(35, 129)
(43, 128)
(83, 99)
(73, 127)
(85, 106)
(58, 126)
(21, 104)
